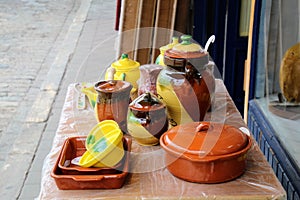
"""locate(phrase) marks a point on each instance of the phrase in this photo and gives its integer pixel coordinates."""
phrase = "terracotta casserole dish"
(205, 152)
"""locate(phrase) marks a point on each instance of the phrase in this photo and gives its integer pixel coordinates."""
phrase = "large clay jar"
(187, 84)
(147, 119)
(112, 101)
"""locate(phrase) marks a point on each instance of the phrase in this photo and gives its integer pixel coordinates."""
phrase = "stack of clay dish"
(78, 178)
(73, 148)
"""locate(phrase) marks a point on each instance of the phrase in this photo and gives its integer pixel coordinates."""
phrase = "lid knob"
(202, 127)
(124, 55)
(186, 39)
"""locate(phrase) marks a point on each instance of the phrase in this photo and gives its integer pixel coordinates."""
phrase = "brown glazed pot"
(112, 101)
(193, 64)
(205, 152)
(147, 119)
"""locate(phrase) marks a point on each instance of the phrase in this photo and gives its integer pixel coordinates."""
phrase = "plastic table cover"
(149, 177)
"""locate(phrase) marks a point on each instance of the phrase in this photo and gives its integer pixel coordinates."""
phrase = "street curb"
(40, 110)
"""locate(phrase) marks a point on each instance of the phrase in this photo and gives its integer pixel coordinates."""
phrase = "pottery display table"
(149, 177)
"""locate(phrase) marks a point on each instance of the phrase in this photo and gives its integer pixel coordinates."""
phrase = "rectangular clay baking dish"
(75, 147)
(93, 180)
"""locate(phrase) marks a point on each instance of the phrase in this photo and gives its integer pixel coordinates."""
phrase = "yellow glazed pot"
(125, 70)
(104, 145)
(160, 59)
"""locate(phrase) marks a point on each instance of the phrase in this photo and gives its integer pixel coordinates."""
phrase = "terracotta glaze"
(206, 152)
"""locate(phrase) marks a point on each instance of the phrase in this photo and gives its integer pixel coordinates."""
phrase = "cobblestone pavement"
(31, 34)
(44, 46)
(28, 31)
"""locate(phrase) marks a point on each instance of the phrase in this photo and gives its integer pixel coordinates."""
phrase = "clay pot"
(147, 119)
(187, 84)
(112, 101)
(205, 152)
(125, 69)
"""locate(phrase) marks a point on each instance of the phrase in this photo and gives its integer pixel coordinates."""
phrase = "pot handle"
(203, 127)
(210, 40)
(110, 73)
(87, 178)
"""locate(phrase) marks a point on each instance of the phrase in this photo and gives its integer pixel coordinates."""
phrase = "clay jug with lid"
(187, 84)
(125, 69)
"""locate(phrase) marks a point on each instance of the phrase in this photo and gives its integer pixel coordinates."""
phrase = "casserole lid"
(125, 64)
(205, 139)
(186, 49)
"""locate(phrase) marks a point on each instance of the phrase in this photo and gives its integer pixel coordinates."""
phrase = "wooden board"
(139, 42)
(145, 31)
(164, 25)
(248, 63)
(128, 23)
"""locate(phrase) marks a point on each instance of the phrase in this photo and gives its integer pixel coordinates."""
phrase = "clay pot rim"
(126, 83)
(195, 155)
(171, 53)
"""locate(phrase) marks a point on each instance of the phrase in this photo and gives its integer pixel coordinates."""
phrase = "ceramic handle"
(110, 73)
(202, 127)
(211, 39)
(88, 178)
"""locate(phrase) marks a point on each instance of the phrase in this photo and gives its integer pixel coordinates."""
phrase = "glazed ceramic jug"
(187, 84)
(148, 78)
(125, 70)
(147, 119)
(112, 101)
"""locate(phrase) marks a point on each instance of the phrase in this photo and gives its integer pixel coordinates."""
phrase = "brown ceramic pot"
(190, 78)
(205, 152)
(147, 119)
(93, 179)
(112, 101)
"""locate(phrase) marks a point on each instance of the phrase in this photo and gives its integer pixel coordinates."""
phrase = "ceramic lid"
(186, 49)
(205, 139)
(169, 46)
(146, 102)
(124, 63)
